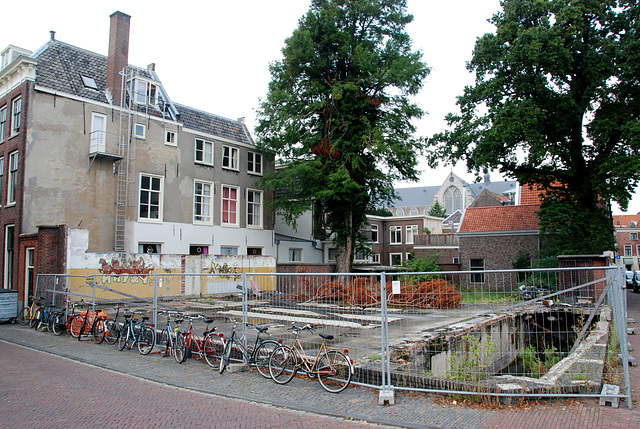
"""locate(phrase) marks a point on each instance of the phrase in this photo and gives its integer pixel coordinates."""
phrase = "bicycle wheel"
(180, 351)
(99, 330)
(146, 340)
(35, 318)
(226, 356)
(261, 356)
(58, 323)
(166, 342)
(122, 341)
(76, 326)
(334, 371)
(25, 316)
(213, 349)
(283, 365)
(112, 331)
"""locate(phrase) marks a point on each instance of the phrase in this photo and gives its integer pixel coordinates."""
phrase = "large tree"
(338, 115)
(556, 103)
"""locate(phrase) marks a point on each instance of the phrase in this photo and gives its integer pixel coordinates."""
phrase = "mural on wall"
(228, 272)
(135, 270)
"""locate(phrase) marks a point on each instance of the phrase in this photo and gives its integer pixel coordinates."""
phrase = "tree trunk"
(343, 258)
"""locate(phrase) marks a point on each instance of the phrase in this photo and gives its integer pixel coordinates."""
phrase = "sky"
(214, 55)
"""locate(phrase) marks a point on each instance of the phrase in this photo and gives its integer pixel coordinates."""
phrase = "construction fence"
(533, 333)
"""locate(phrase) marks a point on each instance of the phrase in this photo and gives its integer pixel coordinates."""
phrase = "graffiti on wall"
(227, 271)
(132, 270)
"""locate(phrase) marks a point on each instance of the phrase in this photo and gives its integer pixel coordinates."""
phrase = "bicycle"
(43, 317)
(144, 336)
(112, 328)
(61, 322)
(168, 334)
(258, 356)
(210, 346)
(93, 323)
(333, 368)
(27, 313)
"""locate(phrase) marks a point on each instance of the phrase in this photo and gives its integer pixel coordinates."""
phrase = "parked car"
(630, 275)
(636, 282)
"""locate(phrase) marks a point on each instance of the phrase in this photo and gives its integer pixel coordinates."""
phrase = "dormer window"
(145, 92)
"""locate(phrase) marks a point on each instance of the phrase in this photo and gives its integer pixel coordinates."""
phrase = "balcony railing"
(436, 240)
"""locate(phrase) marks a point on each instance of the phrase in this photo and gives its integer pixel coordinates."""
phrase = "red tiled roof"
(530, 194)
(504, 218)
(623, 221)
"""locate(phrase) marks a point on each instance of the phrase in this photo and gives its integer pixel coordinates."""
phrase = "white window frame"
(374, 231)
(410, 232)
(145, 92)
(151, 191)
(230, 157)
(400, 212)
(3, 123)
(254, 163)
(395, 232)
(375, 258)
(9, 255)
(477, 277)
(98, 135)
(253, 206)
(628, 251)
(1, 177)
(170, 137)
(395, 255)
(139, 131)
(225, 207)
(633, 236)
(332, 254)
(203, 152)
(12, 180)
(229, 250)
(204, 201)
(16, 111)
(295, 254)
(29, 272)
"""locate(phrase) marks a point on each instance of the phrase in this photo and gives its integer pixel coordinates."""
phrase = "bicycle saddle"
(327, 337)
(262, 329)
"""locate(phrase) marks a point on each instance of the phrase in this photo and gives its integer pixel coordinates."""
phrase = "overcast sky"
(214, 55)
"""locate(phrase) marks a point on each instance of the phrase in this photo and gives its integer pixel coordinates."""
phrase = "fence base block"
(387, 396)
(607, 395)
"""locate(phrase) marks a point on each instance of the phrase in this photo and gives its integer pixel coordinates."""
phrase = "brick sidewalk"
(358, 403)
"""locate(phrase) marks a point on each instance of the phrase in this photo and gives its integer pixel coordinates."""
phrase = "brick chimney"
(118, 53)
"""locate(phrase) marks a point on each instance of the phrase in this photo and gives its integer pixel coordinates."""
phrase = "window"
(149, 248)
(396, 258)
(145, 92)
(361, 256)
(89, 82)
(1, 176)
(628, 251)
(413, 211)
(170, 138)
(230, 157)
(295, 255)
(8, 256)
(13, 178)
(151, 188)
(400, 212)
(98, 133)
(3, 123)
(202, 202)
(452, 199)
(375, 258)
(396, 234)
(477, 265)
(332, 254)
(254, 163)
(254, 208)
(228, 250)
(412, 231)
(374, 233)
(15, 116)
(204, 152)
(139, 131)
(198, 250)
(229, 205)
(638, 250)
(634, 236)
(30, 269)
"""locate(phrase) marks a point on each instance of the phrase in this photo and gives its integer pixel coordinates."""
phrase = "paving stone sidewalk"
(357, 403)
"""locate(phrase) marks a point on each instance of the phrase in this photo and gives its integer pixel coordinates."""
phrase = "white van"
(637, 276)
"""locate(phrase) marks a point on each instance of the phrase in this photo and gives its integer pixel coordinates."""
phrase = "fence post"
(156, 284)
(386, 395)
(245, 316)
(620, 312)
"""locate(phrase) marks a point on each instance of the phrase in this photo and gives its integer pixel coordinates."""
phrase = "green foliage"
(471, 361)
(437, 210)
(378, 211)
(537, 364)
(556, 103)
(338, 114)
(425, 264)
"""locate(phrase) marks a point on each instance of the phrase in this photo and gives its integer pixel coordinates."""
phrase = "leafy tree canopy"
(338, 114)
(556, 102)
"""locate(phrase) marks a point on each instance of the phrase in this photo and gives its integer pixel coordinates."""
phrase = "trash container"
(8, 304)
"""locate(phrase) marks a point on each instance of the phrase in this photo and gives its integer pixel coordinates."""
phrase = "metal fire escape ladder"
(127, 164)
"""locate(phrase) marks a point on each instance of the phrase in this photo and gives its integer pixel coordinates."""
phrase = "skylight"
(89, 82)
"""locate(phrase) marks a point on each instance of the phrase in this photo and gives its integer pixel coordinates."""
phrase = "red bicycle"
(210, 346)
